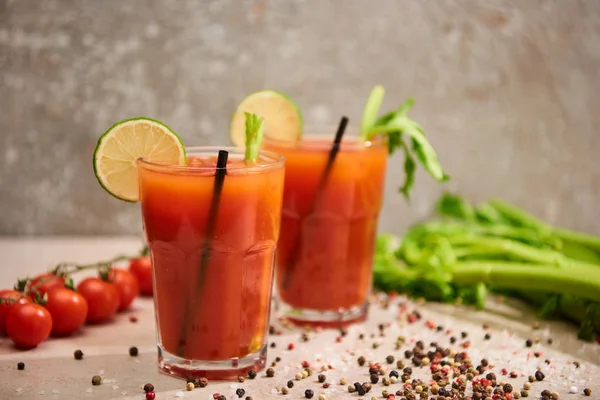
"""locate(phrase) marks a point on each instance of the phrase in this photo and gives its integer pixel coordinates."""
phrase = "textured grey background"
(506, 90)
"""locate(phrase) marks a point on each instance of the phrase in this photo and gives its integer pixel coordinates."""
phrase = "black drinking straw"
(220, 173)
(335, 148)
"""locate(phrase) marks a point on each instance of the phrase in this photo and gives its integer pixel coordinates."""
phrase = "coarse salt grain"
(573, 389)
(179, 394)
(115, 387)
(233, 386)
(89, 390)
(19, 390)
(55, 391)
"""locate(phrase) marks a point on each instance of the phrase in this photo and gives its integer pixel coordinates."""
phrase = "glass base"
(229, 369)
(325, 319)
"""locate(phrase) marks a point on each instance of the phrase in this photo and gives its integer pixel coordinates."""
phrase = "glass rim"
(348, 141)
(273, 160)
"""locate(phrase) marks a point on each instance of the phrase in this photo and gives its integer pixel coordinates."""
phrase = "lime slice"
(119, 148)
(283, 119)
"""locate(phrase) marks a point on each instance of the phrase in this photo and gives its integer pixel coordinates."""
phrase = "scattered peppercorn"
(361, 361)
(524, 393)
(531, 378)
(148, 387)
(252, 374)
(321, 378)
(249, 398)
(351, 389)
(587, 391)
(526, 385)
(285, 390)
(190, 386)
(507, 388)
(150, 395)
(394, 373)
(408, 354)
(133, 351)
(203, 382)
(21, 366)
(576, 364)
(452, 340)
(464, 334)
(539, 375)
(273, 345)
(309, 394)
(240, 392)
(96, 380)
(374, 378)
(529, 343)
(290, 384)
(270, 372)
(487, 336)
(78, 354)
(389, 359)
(241, 379)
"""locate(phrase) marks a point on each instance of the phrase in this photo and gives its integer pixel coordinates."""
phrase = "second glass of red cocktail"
(328, 227)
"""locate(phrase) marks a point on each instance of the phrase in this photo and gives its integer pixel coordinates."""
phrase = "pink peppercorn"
(305, 364)
(150, 395)
(291, 346)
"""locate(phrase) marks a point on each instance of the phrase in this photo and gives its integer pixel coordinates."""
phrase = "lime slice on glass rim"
(119, 148)
(283, 119)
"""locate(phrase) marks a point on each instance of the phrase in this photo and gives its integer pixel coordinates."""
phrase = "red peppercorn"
(508, 396)
(305, 364)
(504, 371)
(150, 395)
(133, 319)
(338, 339)
(291, 346)
(391, 397)
(216, 395)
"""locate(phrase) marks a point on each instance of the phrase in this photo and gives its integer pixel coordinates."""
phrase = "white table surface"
(52, 373)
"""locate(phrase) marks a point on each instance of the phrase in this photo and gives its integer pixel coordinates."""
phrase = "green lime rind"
(114, 128)
(283, 118)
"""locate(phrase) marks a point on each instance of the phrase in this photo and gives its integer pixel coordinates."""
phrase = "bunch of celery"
(495, 246)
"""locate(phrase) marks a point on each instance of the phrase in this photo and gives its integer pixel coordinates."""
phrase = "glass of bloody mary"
(212, 259)
(328, 228)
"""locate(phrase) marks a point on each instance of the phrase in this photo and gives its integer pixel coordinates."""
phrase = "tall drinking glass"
(212, 247)
(328, 227)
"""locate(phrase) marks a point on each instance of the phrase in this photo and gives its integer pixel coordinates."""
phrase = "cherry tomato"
(68, 309)
(43, 283)
(28, 325)
(8, 299)
(127, 286)
(102, 299)
(141, 267)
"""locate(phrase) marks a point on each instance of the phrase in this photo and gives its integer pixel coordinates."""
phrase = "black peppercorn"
(529, 343)
(389, 359)
(148, 387)
(361, 361)
(290, 384)
(240, 392)
(78, 354)
(96, 380)
(202, 382)
(309, 394)
(394, 373)
(539, 375)
(374, 378)
(252, 374)
(321, 378)
(487, 336)
(133, 351)
(21, 366)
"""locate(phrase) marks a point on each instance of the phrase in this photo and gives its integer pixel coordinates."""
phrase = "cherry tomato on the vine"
(28, 325)
(43, 283)
(126, 284)
(102, 299)
(141, 267)
(68, 309)
(8, 300)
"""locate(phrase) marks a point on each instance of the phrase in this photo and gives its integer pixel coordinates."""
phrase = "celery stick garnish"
(254, 137)
(402, 132)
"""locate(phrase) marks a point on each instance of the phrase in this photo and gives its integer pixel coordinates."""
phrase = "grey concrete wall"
(506, 90)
